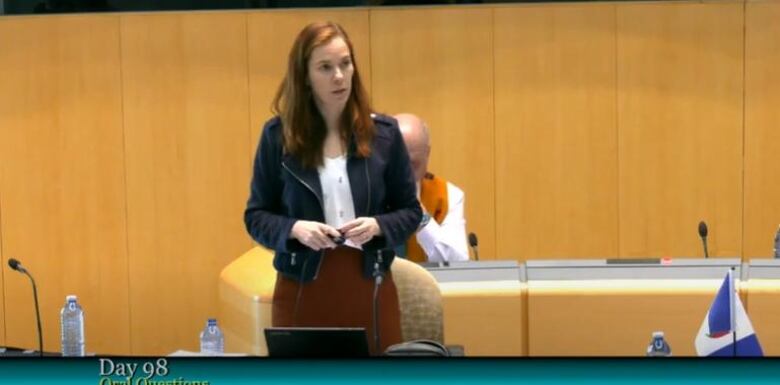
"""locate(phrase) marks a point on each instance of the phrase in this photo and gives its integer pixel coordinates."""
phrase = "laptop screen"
(316, 342)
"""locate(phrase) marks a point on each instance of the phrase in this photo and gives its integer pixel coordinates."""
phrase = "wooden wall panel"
(762, 136)
(62, 190)
(186, 120)
(556, 139)
(3, 270)
(271, 35)
(437, 63)
(680, 127)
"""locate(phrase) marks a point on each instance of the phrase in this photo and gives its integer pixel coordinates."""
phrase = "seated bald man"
(441, 235)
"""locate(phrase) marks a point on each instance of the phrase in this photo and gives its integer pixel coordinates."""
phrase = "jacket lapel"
(357, 171)
(309, 177)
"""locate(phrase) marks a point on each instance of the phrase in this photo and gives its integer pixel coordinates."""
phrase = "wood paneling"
(576, 130)
(762, 136)
(62, 188)
(616, 317)
(763, 296)
(680, 127)
(271, 35)
(556, 139)
(3, 270)
(186, 118)
(437, 63)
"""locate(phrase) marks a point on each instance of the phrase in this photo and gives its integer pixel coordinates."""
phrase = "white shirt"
(446, 241)
(336, 193)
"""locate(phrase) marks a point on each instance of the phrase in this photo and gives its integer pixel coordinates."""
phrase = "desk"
(615, 317)
(594, 308)
(487, 318)
(544, 308)
(763, 303)
(484, 307)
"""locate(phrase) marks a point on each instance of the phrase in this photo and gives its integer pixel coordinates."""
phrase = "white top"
(446, 241)
(336, 192)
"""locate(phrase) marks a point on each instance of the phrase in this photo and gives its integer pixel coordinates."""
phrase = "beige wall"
(576, 130)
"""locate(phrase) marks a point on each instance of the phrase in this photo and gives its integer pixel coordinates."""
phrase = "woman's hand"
(361, 230)
(315, 235)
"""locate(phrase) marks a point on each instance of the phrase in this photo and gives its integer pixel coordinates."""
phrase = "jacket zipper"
(322, 207)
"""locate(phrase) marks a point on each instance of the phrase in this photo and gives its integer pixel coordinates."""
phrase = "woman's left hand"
(361, 230)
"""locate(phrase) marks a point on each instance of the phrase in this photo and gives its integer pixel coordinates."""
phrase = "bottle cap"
(658, 334)
(212, 321)
(70, 297)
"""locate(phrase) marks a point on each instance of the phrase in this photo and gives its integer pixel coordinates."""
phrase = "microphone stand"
(37, 311)
(37, 314)
(298, 294)
(378, 276)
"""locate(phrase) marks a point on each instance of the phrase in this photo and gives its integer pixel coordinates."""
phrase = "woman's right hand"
(314, 235)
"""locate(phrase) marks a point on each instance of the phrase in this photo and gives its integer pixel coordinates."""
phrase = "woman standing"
(332, 192)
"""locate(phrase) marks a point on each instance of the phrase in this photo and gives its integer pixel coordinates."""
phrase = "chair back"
(420, 301)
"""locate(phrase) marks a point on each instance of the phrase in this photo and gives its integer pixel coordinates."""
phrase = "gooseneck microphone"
(703, 236)
(473, 244)
(16, 265)
(378, 276)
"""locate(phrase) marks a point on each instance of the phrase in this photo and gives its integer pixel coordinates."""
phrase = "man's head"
(417, 140)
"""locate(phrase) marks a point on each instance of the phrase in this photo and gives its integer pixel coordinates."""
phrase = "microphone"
(473, 244)
(703, 236)
(16, 265)
(378, 276)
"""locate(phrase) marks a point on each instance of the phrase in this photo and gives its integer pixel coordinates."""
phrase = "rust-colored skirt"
(339, 297)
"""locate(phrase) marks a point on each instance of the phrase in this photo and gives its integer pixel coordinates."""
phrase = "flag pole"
(732, 306)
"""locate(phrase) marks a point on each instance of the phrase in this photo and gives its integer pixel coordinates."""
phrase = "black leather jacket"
(282, 192)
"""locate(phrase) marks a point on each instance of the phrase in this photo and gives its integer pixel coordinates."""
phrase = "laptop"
(316, 342)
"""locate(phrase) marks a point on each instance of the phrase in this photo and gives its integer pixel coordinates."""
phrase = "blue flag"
(726, 330)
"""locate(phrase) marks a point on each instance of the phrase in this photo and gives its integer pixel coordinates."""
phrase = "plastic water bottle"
(777, 243)
(658, 346)
(72, 328)
(212, 342)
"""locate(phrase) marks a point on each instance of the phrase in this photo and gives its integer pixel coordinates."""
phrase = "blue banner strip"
(219, 371)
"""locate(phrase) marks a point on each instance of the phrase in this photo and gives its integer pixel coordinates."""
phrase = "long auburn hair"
(303, 125)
